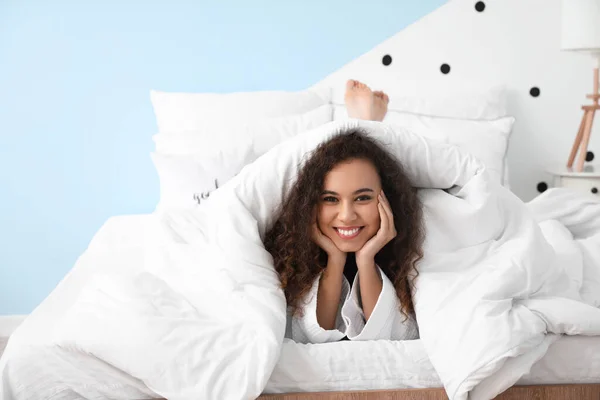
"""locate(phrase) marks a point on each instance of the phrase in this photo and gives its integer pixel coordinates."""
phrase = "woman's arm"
(370, 285)
(330, 290)
(385, 321)
(370, 281)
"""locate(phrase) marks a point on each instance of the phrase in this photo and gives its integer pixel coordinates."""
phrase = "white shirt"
(386, 320)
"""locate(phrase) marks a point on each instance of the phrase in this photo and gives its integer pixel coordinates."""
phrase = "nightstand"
(587, 181)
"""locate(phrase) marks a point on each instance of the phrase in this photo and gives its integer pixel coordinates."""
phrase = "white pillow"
(192, 164)
(186, 181)
(181, 112)
(486, 140)
(261, 135)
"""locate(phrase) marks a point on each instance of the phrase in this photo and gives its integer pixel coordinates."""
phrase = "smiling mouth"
(349, 233)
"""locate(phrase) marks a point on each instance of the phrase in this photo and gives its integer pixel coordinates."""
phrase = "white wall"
(511, 42)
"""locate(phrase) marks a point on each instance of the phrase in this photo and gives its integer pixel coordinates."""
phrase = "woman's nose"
(347, 212)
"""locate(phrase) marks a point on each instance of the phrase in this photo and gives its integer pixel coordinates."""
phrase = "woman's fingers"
(390, 215)
(383, 216)
(386, 206)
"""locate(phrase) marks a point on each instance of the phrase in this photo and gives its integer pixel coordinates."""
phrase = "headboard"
(511, 43)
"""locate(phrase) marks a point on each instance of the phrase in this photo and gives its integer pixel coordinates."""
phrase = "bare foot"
(359, 100)
(380, 106)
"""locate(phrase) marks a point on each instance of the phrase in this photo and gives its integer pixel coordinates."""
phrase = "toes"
(356, 85)
(381, 96)
(353, 85)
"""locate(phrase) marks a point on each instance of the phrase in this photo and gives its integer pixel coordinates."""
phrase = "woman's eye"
(330, 199)
(363, 198)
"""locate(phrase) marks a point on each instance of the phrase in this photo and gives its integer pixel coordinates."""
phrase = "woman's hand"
(386, 232)
(334, 254)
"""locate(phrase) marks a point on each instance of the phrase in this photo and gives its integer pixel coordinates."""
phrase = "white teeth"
(348, 232)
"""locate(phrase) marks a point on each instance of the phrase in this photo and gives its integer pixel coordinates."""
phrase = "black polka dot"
(542, 187)
(387, 60)
(480, 6)
(589, 156)
(534, 91)
(445, 68)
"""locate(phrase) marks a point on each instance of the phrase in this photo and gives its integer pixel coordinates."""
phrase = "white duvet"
(205, 318)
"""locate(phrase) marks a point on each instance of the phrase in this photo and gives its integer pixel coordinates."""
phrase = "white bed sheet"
(323, 367)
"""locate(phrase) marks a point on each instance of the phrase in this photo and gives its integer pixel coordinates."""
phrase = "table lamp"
(581, 33)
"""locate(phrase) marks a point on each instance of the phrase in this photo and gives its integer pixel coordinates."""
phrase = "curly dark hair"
(299, 261)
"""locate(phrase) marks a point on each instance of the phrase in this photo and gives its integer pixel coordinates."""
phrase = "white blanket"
(207, 318)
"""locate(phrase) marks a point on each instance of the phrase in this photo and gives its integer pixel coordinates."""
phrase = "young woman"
(352, 216)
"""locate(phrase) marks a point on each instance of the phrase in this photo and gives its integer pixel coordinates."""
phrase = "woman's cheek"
(322, 218)
(374, 221)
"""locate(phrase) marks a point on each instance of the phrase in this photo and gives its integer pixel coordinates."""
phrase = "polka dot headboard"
(484, 44)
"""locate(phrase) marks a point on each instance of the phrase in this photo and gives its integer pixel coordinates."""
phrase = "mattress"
(34, 360)
(404, 365)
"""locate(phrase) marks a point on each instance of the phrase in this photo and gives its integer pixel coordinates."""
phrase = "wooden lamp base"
(585, 128)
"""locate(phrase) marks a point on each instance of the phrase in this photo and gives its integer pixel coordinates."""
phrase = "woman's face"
(347, 212)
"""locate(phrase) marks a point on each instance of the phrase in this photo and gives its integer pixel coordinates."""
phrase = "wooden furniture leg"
(577, 141)
(586, 138)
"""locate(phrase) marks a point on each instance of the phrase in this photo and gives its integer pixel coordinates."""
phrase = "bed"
(570, 369)
(344, 370)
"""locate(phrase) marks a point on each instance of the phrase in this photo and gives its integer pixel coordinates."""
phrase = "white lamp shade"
(581, 25)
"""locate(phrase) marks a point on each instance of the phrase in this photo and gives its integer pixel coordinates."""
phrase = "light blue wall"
(75, 116)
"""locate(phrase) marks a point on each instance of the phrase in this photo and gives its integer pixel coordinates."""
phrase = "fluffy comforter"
(499, 282)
